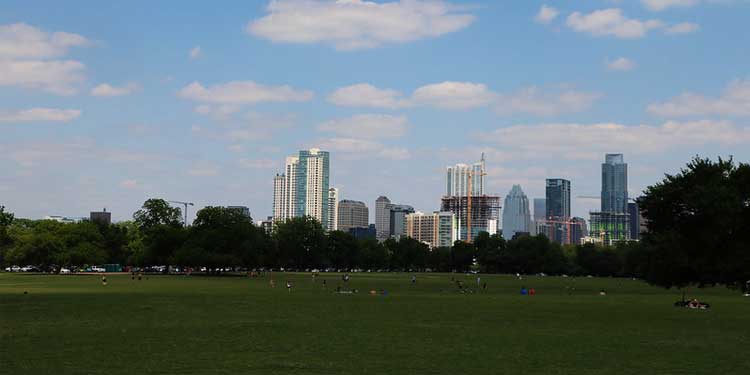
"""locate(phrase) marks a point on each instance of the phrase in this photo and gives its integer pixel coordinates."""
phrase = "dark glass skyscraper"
(558, 198)
(614, 184)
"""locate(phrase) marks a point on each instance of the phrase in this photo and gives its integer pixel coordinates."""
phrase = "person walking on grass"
(413, 279)
(289, 286)
(104, 280)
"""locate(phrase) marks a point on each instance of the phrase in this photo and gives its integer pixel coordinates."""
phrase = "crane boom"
(186, 204)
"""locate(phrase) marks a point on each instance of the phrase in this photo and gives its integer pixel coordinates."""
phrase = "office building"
(353, 214)
(65, 219)
(457, 179)
(613, 223)
(245, 211)
(370, 232)
(570, 231)
(102, 217)
(438, 229)
(614, 184)
(485, 214)
(557, 203)
(540, 209)
(333, 209)
(610, 227)
(634, 216)
(516, 215)
(267, 225)
(397, 220)
(303, 188)
(382, 217)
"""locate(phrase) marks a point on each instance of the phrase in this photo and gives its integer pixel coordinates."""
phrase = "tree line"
(697, 224)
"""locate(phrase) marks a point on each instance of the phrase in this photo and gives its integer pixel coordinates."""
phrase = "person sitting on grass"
(104, 279)
(532, 292)
(524, 291)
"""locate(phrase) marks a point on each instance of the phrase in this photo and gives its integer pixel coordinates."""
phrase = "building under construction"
(565, 231)
(485, 213)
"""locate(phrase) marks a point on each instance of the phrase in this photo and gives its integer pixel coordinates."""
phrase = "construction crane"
(186, 204)
(470, 177)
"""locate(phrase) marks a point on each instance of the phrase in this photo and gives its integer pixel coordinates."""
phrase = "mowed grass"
(238, 325)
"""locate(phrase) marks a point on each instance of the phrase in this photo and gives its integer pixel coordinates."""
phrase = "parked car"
(13, 269)
(64, 270)
(29, 269)
(97, 269)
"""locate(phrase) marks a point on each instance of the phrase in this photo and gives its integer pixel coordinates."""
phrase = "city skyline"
(201, 103)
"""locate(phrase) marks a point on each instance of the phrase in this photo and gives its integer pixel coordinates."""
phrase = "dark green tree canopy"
(698, 224)
(157, 212)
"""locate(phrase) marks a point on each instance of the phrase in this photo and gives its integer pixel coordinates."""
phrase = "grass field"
(237, 325)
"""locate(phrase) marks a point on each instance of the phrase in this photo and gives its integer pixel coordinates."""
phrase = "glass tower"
(614, 184)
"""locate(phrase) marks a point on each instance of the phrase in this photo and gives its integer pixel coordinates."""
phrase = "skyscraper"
(438, 229)
(303, 189)
(558, 198)
(457, 179)
(353, 214)
(540, 209)
(397, 221)
(516, 216)
(612, 223)
(614, 184)
(382, 218)
(333, 209)
(634, 215)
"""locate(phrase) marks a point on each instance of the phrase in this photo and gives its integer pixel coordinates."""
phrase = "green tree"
(697, 224)
(373, 255)
(462, 256)
(300, 243)
(6, 219)
(489, 251)
(157, 212)
(342, 250)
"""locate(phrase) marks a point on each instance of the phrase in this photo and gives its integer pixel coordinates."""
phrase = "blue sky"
(108, 105)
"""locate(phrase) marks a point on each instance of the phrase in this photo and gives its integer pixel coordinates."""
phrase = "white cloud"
(367, 95)
(620, 64)
(195, 53)
(57, 77)
(659, 5)
(454, 95)
(735, 101)
(353, 148)
(581, 141)
(22, 41)
(39, 115)
(357, 24)
(368, 126)
(682, 28)
(25, 53)
(130, 184)
(219, 112)
(243, 92)
(203, 169)
(546, 14)
(611, 22)
(107, 90)
(532, 100)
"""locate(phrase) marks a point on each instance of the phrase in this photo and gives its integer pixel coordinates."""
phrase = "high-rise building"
(364, 233)
(565, 231)
(457, 179)
(333, 209)
(558, 198)
(244, 210)
(613, 223)
(382, 217)
(540, 209)
(397, 220)
(353, 214)
(102, 217)
(485, 214)
(438, 229)
(516, 215)
(614, 184)
(634, 216)
(303, 188)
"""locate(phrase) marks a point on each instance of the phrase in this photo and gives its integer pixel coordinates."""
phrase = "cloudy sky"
(105, 104)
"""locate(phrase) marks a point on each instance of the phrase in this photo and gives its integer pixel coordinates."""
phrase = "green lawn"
(236, 325)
